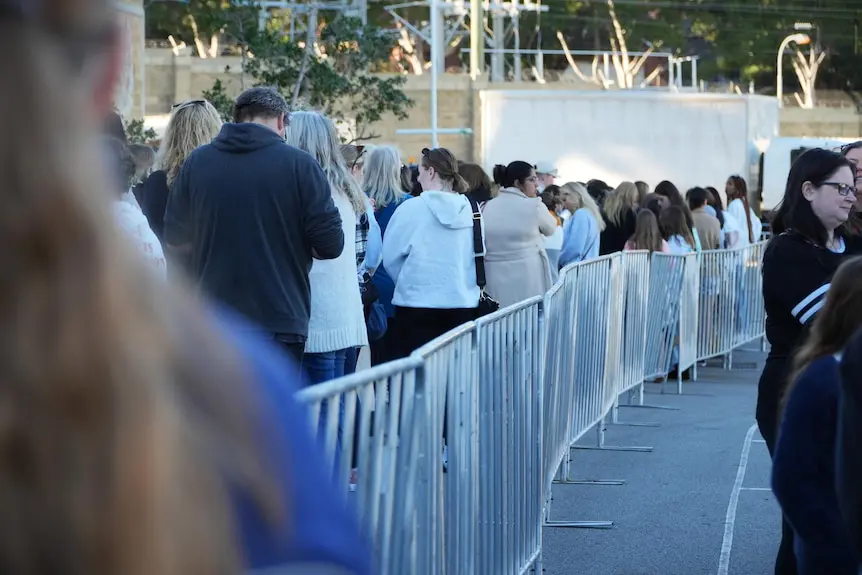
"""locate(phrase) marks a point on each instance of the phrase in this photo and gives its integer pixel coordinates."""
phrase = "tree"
(333, 70)
(137, 133)
(218, 97)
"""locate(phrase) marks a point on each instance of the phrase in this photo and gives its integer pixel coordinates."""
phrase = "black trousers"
(773, 382)
(414, 327)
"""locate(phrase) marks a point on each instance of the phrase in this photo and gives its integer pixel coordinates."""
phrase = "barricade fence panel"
(688, 312)
(510, 438)
(376, 422)
(454, 450)
(636, 270)
(560, 315)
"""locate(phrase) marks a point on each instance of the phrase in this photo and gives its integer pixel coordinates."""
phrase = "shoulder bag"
(487, 304)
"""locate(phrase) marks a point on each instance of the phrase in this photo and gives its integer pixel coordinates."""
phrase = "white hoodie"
(428, 251)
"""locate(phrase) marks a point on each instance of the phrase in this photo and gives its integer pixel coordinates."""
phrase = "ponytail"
(499, 174)
(517, 171)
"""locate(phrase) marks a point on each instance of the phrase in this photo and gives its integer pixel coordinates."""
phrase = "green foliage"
(336, 76)
(219, 98)
(735, 39)
(137, 134)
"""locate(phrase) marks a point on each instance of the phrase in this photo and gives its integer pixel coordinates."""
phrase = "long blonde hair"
(315, 133)
(585, 201)
(120, 429)
(382, 176)
(621, 201)
(192, 124)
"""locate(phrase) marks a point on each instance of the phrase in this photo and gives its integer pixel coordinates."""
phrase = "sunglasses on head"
(188, 103)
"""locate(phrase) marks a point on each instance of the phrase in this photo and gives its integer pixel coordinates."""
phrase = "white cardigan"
(337, 320)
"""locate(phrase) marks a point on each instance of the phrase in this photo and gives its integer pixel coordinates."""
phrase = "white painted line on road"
(730, 517)
(756, 489)
(758, 441)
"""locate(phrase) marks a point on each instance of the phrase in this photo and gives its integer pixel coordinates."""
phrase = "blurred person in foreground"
(143, 433)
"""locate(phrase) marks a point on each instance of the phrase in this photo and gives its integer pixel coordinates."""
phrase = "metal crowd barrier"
(456, 449)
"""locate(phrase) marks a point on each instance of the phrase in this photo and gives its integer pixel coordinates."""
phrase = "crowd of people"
(149, 421)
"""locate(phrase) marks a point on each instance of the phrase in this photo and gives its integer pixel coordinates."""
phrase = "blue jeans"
(323, 367)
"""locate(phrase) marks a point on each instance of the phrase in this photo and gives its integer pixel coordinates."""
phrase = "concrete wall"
(130, 97)
(171, 79)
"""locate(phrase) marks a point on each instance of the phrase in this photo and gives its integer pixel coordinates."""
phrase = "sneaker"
(351, 484)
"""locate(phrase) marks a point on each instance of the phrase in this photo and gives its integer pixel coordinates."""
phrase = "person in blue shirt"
(142, 433)
(803, 467)
(581, 233)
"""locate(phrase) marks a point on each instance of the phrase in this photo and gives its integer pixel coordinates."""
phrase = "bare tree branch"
(310, 36)
(573, 65)
(621, 40)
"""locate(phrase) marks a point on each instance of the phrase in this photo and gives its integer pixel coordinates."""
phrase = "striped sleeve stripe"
(810, 305)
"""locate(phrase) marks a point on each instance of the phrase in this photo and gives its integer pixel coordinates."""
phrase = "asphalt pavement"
(698, 504)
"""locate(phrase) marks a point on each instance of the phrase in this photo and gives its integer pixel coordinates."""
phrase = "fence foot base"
(581, 524)
(614, 448)
(661, 407)
(590, 481)
(636, 424)
(665, 407)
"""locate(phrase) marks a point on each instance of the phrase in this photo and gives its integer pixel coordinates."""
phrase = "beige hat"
(546, 168)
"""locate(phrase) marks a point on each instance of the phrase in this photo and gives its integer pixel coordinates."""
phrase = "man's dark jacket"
(252, 210)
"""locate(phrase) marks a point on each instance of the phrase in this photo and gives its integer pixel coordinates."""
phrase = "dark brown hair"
(123, 417)
(446, 165)
(673, 223)
(647, 235)
(478, 182)
(835, 324)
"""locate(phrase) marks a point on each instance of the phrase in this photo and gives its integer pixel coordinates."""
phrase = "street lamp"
(800, 39)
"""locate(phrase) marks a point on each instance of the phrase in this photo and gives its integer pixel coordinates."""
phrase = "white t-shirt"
(737, 210)
(134, 223)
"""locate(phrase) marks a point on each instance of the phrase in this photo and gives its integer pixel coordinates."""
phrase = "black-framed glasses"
(188, 103)
(843, 189)
(847, 147)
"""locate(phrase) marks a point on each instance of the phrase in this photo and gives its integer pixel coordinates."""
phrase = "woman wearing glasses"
(806, 249)
(192, 125)
(853, 152)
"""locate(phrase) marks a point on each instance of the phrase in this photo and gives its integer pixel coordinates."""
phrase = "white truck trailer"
(691, 139)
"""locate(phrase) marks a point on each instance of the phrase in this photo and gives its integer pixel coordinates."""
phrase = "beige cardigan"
(516, 263)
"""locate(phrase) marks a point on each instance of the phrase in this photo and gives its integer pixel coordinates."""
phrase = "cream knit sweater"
(337, 320)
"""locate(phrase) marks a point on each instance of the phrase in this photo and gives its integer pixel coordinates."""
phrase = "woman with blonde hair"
(337, 321)
(369, 248)
(583, 228)
(192, 124)
(382, 184)
(143, 432)
(620, 207)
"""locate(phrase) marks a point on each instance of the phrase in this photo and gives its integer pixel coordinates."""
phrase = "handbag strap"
(478, 244)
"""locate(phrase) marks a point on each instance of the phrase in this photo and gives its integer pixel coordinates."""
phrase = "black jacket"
(848, 455)
(796, 277)
(154, 201)
(251, 209)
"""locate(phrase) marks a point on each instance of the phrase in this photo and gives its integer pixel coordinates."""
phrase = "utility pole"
(477, 39)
